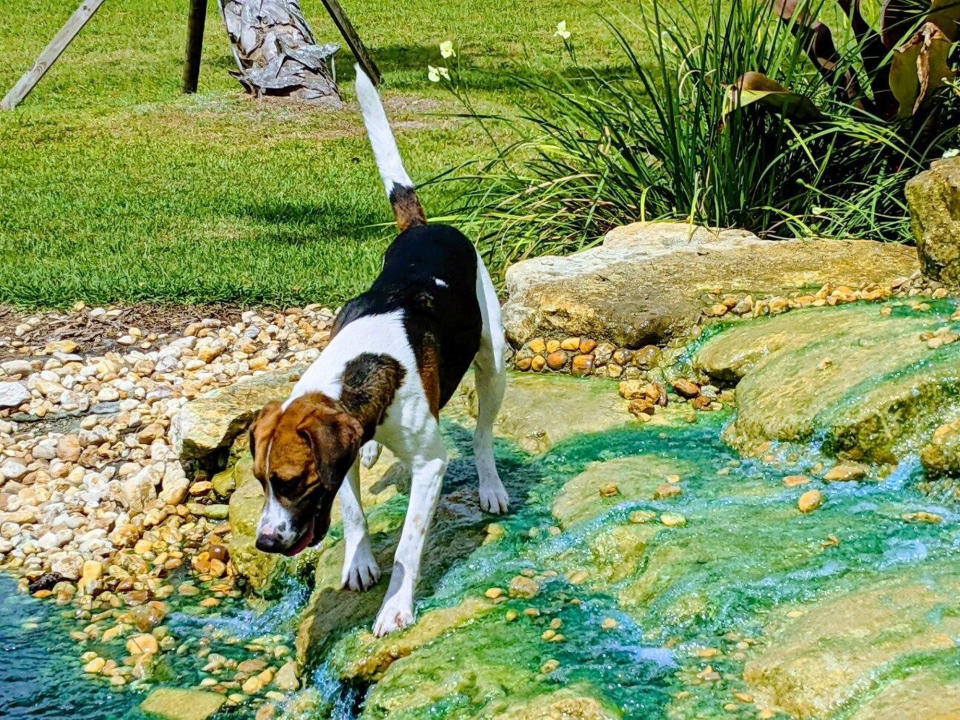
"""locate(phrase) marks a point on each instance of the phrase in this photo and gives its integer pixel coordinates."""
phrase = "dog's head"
(300, 456)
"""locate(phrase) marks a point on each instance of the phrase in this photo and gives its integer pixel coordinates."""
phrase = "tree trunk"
(276, 53)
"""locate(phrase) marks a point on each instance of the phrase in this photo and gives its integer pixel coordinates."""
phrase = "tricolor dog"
(397, 353)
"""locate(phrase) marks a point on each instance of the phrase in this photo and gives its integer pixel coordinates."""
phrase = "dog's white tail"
(406, 205)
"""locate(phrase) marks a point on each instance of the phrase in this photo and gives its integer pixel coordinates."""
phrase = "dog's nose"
(269, 541)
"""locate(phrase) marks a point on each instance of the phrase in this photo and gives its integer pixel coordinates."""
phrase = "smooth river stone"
(180, 704)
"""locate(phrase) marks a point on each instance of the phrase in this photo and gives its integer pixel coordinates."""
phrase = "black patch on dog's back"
(430, 273)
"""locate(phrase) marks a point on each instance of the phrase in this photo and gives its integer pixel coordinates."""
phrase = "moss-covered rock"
(605, 485)
(934, 200)
(941, 456)
(181, 704)
(830, 654)
(866, 379)
(540, 411)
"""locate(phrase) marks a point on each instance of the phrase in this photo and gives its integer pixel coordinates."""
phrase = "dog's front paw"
(361, 571)
(396, 613)
(493, 497)
(370, 453)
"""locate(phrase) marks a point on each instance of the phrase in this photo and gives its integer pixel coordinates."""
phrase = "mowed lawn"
(114, 187)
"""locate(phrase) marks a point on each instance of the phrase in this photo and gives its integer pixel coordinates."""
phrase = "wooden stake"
(50, 53)
(354, 42)
(191, 64)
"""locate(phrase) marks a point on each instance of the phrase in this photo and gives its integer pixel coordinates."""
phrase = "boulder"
(833, 653)
(539, 411)
(649, 282)
(865, 378)
(934, 200)
(941, 456)
(180, 704)
(207, 426)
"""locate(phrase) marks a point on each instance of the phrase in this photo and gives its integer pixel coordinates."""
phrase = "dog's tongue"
(303, 542)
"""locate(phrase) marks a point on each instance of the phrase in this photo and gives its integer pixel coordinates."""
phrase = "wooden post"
(354, 42)
(50, 53)
(191, 64)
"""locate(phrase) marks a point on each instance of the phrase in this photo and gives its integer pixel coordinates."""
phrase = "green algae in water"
(743, 555)
(42, 677)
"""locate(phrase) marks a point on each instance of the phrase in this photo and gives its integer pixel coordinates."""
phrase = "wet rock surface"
(934, 200)
(647, 567)
(649, 282)
(869, 381)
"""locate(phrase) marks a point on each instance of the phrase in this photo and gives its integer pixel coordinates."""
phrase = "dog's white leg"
(360, 569)
(370, 453)
(427, 476)
(490, 369)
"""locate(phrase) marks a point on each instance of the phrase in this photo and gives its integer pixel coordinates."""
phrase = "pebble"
(921, 517)
(846, 472)
(523, 587)
(810, 501)
(795, 480)
(667, 491)
(494, 592)
(143, 643)
(609, 624)
(549, 666)
(673, 520)
(13, 394)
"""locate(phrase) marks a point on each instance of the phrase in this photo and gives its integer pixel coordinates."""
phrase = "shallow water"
(743, 555)
(41, 676)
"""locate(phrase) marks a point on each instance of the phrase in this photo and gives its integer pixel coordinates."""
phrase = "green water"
(41, 674)
(744, 553)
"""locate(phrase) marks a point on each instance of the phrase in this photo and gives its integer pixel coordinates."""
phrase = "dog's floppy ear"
(334, 435)
(260, 434)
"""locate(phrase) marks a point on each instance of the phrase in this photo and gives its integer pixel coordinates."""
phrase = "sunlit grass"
(115, 187)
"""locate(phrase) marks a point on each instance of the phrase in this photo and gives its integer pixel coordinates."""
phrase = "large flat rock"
(831, 654)
(209, 424)
(649, 282)
(867, 383)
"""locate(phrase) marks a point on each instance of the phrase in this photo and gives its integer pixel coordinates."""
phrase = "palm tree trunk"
(276, 53)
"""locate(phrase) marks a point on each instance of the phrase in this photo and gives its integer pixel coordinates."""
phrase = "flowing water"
(633, 598)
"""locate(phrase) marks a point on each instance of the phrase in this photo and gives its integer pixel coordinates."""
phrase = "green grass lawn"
(116, 188)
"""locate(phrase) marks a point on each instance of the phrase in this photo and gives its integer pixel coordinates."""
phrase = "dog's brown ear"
(334, 435)
(260, 433)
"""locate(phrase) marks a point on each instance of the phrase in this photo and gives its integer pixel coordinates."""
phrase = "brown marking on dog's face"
(301, 456)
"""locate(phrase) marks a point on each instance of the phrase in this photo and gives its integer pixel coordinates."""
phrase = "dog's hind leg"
(490, 371)
(360, 569)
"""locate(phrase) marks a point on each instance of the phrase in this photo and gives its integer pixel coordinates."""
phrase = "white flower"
(435, 73)
(818, 211)
(562, 31)
(952, 152)
(446, 49)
